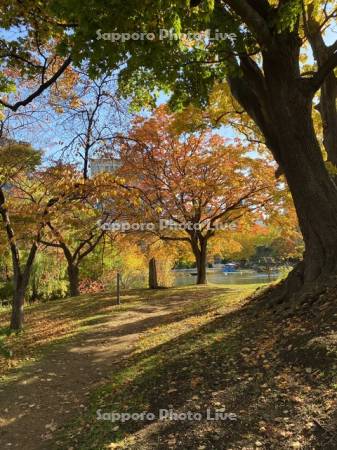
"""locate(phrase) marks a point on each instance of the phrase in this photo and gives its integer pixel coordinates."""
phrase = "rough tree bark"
(280, 102)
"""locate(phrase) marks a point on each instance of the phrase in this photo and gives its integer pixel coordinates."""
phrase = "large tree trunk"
(313, 192)
(297, 151)
(153, 278)
(73, 275)
(281, 105)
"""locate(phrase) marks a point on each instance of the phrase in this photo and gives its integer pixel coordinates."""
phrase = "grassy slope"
(278, 376)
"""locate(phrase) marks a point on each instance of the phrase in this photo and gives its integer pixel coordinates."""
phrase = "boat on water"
(230, 268)
(227, 268)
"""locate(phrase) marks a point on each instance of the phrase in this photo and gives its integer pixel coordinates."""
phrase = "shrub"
(89, 286)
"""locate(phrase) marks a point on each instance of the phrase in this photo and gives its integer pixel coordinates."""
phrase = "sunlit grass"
(172, 347)
(60, 320)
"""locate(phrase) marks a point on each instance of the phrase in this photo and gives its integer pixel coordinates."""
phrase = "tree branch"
(50, 244)
(253, 20)
(326, 68)
(10, 235)
(168, 238)
(40, 90)
(91, 247)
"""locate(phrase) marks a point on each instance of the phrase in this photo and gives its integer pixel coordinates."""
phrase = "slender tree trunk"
(73, 275)
(17, 316)
(86, 163)
(153, 279)
(200, 253)
(7, 272)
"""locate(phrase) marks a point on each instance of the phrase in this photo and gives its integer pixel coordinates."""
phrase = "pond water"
(183, 278)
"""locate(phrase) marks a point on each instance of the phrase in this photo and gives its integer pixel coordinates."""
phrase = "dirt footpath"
(51, 391)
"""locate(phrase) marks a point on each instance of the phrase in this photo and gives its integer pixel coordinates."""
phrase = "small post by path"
(118, 289)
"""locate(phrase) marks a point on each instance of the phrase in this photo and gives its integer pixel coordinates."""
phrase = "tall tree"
(73, 226)
(91, 116)
(191, 184)
(24, 208)
(262, 64)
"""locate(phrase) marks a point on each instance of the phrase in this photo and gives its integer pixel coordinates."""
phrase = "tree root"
(293, 296)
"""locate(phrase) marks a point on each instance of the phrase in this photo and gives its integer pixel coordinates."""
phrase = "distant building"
(101, 165)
